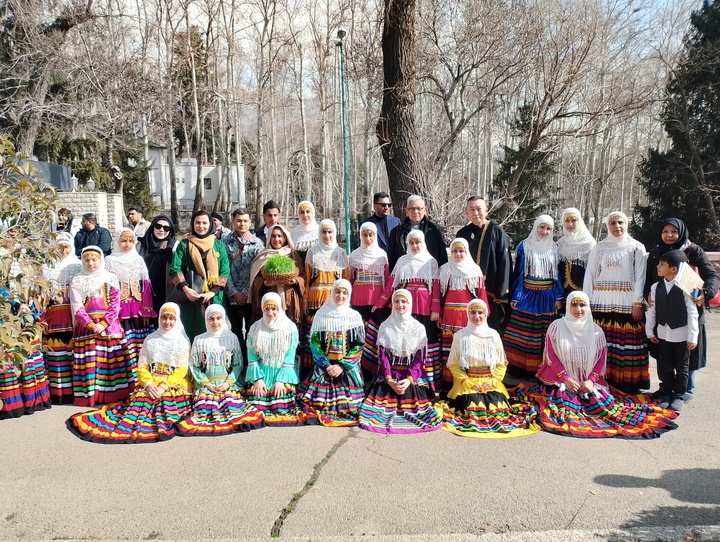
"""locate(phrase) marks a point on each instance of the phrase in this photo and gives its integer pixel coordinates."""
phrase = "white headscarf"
(610, 251)
(90, 283)
(575, 246)
(541, 255)
(129, 267)
(625, 237)
(326, 256)
(333, 318)
(401, 334)
(305, 235)
(272, 339)
(478, 346)
(369, 257)
(169, 347)
(61, 274)
(223, 341)
(577, 341)
(458, 276)
(421, 266)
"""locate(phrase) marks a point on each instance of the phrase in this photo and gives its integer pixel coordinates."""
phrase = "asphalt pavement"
(317, 483)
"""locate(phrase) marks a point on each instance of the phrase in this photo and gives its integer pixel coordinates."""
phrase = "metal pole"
(340, 44)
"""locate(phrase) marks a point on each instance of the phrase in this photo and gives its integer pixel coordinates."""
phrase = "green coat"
(192, 314)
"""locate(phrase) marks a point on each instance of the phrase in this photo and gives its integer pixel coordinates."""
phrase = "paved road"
(337, 484)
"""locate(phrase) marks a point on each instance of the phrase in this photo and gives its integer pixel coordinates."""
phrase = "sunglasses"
(385, 204)
(161, 227)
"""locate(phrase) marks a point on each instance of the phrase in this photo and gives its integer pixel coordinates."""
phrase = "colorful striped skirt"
(11, 400)
(446, 339)
(101, 371)
(597, 414)
(524, 340)
(34, 383)
(433, 361)
(141, 419)
(333, 401)
(384, 411)
(59, 366)
(628, 365)
(135, 333)
(215, 414)
(282, 410)
(488, 415)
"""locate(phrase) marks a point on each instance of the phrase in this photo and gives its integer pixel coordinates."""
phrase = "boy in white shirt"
(676, 317)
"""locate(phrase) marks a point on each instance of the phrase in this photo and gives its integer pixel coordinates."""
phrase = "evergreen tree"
(537, 196)
(683, 181)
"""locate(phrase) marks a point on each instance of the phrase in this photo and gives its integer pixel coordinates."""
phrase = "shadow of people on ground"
(697, 486)
(689, 485)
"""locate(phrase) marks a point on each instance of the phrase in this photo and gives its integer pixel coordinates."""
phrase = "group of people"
(229, 330)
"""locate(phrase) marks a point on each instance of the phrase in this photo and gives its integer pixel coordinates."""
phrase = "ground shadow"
(671, 516)
(700, 486)
(696, 486)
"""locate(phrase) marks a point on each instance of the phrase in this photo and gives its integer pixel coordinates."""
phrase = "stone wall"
(108, 208)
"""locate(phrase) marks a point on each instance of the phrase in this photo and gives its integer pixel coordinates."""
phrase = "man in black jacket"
(416, 220)
(92, 234)
(489, 248)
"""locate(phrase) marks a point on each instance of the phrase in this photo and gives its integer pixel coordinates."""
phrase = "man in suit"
(383, 218)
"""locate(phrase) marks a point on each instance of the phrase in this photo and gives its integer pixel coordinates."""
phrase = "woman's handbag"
(176, 295)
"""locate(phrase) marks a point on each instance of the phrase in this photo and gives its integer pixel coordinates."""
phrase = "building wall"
(107, 207)
(185, 172)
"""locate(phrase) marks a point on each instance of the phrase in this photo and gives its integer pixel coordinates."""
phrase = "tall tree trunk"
(174, 208)
(396, 130)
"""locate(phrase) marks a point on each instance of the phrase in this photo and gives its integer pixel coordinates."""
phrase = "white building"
(186, 173)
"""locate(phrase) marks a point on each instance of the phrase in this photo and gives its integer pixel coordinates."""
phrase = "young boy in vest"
(676, 317)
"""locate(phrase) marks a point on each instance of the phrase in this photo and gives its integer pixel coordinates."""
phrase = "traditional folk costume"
(215, 360)
(136, 301)
(536, 288)
(11, 399)
(614, 283)
(479, 404)
(272, 346)
(576, 349)
(24, 386)
(102, 370)
(460, 283)
(57, 339)
(204, 255)
(305, 236)
(336, 340)
(163, 362)
(402, 347)
(291, 295)
(324, 264)
(368, 273)
(698, 259)
(417, 273)
(574, 249)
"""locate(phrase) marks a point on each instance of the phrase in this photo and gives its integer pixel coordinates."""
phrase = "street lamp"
(341, 34)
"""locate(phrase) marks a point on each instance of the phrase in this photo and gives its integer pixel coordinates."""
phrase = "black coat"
(99, 236)
(433, 240)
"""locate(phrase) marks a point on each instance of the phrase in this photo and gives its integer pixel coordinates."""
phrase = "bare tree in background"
(396, 130)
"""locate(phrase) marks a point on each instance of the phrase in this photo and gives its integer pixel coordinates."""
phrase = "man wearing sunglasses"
(383, 218)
